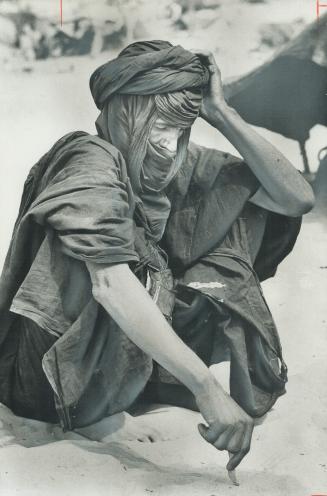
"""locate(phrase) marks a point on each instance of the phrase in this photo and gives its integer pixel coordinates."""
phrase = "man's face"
(164, 138)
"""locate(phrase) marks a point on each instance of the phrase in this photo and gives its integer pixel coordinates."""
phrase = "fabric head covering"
(126, 122)
(148, 80)
(148, 68)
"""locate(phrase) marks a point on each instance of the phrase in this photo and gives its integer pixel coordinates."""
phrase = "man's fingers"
(238, 457)
(236, 460)
(247, 438)
(222, 442)
(235, 439)
(209, 434)
(221, 439)
(199, 51)
(205, 54)
(235, 443)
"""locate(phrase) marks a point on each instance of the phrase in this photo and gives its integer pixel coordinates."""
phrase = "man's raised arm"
(283, 189)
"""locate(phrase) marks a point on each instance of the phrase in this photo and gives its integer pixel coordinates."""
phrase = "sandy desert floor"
(289, 450)
(288, 455)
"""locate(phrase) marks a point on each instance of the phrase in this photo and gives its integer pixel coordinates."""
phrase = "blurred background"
(268, 52)
(273, 59)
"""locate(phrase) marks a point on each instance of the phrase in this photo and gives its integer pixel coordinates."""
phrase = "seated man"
(136, 257)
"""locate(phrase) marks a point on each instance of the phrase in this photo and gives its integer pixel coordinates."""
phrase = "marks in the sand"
(29, 433)
(155, 474)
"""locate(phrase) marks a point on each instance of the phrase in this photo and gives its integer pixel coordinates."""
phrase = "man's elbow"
(101, 289)
(303, 205)
(106, 281)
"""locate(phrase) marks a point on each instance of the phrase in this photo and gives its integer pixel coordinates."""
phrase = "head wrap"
(126, 122)
(146, 81)
(148, 68)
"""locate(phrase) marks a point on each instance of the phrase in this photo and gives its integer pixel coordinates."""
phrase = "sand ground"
(288, 455)
(289, 451)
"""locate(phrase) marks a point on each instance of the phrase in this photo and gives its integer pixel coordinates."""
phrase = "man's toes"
(144, 439)
(156, 436)
(148, 434)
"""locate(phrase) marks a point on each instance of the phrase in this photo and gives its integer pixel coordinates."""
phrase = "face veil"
(126, 121)
(148, 80)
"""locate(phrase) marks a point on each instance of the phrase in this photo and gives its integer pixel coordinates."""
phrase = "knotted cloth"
(147, 81)
(148, 68)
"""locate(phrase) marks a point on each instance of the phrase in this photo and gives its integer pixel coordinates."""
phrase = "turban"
(148, 68)
(126, 122)
(148, 80)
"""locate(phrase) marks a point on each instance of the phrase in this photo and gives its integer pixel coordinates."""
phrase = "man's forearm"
(126, 300)
(276, 174)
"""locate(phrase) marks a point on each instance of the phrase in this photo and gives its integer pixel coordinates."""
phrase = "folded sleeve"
(88, 205)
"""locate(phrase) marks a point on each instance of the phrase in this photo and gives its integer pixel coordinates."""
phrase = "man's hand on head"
(282, 189)
(213, 96)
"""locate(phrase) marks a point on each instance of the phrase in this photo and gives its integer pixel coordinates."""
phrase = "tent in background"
(287, 94)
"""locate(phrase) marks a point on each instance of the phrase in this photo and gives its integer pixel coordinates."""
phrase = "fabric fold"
(148, 68)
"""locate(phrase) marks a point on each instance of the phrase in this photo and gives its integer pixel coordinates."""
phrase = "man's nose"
(169, 142)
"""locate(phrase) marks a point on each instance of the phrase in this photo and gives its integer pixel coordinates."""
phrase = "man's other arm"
(283, 189)
(118, 290)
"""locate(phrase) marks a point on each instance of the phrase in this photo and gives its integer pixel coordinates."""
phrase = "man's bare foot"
(121, 427)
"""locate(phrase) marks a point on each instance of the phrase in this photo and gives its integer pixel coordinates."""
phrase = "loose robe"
(78, 206)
